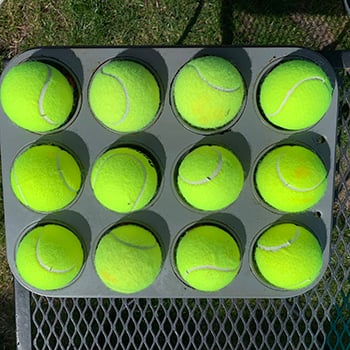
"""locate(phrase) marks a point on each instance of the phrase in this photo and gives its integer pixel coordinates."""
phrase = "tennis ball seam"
(301, 284)
(209, 267)
(283, 245)
(131, 245)
(127, 108)
(42, 96)
(216, 87)
(209, 178)
(290, 92)
(288, 185)
(41, 262)
(60, 171)
(143, 170)
(24, 199)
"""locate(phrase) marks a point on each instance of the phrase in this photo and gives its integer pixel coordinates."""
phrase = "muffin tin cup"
(149, 147)
(315, 143)
(64, 147)
(155, 74)
(203, 131)
(223, 222)
(157, 224)
(168, 139)
(72, 80)
(71, 221)
(307, 220)
(231, 141)
(273, 64)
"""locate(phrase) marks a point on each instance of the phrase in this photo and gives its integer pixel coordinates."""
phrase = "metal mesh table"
(319, 319)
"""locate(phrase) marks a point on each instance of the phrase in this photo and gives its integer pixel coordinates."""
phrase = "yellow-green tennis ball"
(291, 178)
(124, 96)
(288, 256)
(124, 179)
(208, 92)
(45, 178)
(36, 96)
(128, 259)
(295, 95)
(207, 258)
(49, 257)
(210, 178)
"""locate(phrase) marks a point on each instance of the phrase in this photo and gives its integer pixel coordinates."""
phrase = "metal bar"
(23, 317)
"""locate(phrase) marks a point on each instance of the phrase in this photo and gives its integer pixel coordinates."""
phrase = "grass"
(313, 24)
(319, 25)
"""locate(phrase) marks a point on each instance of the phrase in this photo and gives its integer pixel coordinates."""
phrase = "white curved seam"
(138, 161)
(300, 284)
(143, 186)
(19, 187)
(42, 96)
(219, 88)
(283, 245)
(289, 93)
(288, 185)
(127, 107)
(43, 265)
(93, 180)
(209, 267)
(133, 245)
(58, 165)
(208, 178)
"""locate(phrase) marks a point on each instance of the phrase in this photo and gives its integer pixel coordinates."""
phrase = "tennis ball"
(208, 92)
(291, 178)
(124, 179)
(36, 96)
(124, 96)
(128, 258)
(45, 178)
(207, 258)
(295, 94)
(210, 178)
(49, 257)
(288, 256)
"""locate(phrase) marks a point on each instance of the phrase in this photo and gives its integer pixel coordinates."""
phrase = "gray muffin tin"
(168, 139)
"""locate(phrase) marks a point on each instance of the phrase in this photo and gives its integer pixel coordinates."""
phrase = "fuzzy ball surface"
(124, 96)
(128, 259)
(124, 179)
(210, 178)
(288, 256)
(207, 258)
(36, 96)
(295, 95)
(291, 178)
(208, 92)
(45, 178)
(49, 257)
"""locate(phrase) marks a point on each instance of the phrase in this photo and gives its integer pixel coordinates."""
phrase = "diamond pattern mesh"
(318, 319)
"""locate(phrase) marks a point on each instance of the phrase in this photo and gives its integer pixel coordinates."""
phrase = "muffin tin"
(167, 138)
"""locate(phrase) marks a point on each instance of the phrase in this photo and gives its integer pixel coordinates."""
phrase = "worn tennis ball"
(36, 96)
(208, 92)
(124, 179)
(210, 177)
(124, 96)
(291, 178)
(49, 257)
(295, 95)
(288, 256)
(128, 258)
(207, 258)
(45, 178)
